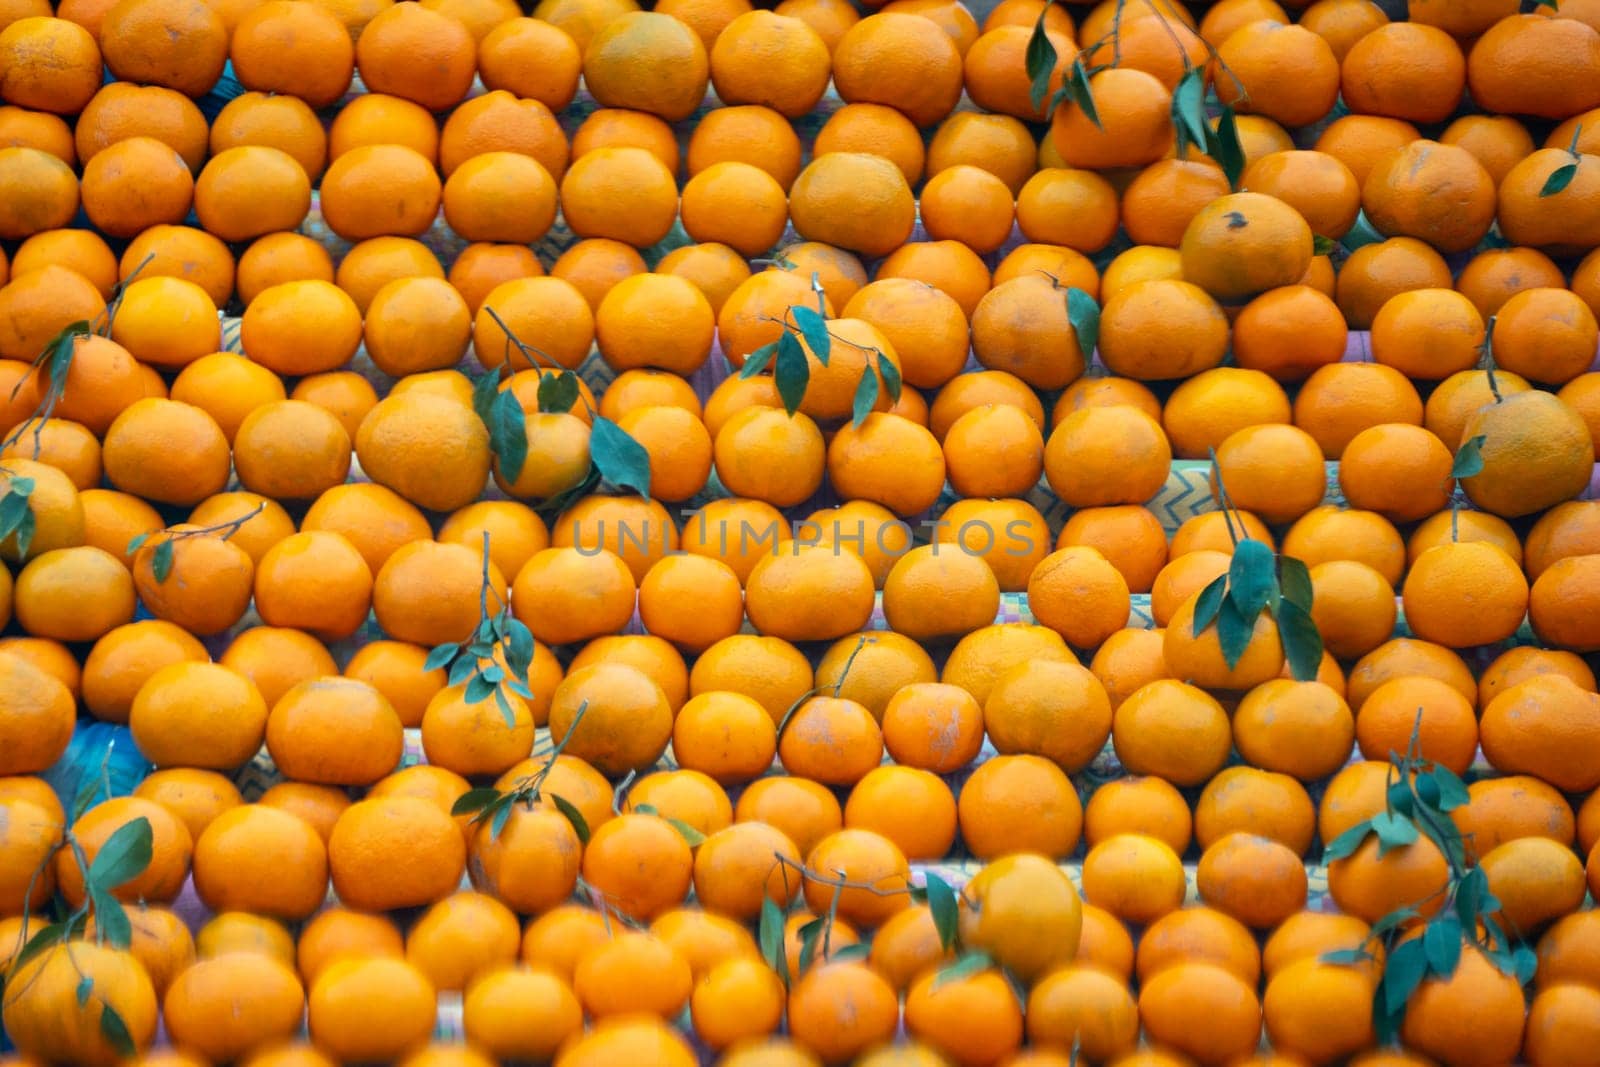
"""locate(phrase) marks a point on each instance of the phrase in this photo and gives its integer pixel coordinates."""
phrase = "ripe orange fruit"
(370, 1008)
(399, 44)
(179, 44)
(831, 740)
(1019, 803)
(640, 890)
(1443, 580)
(498, 122)
(1495, 1025)
(769, 669)
(933, 726)
(504, 61)
(380, 190)
(1145, 723)
(626, 724)
(48, 994)
(1134, 877)
(1135, 126)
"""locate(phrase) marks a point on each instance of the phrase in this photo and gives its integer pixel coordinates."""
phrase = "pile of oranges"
(725, 639)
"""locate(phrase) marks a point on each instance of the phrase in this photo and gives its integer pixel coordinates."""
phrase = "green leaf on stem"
(770, 935)
(1407, 966)
(1040, 61)
(110, 918)
(1441, 942)
(1209, 603)
(1347, 842)
(793, 372)
(757, 361)
(580, 825)
(1234, 632)
(474, 800)
(620, 459)
(1558, 180)
(114, 1030)
(1394, 831)
(1346, 956)
(558, 392)
(891, 377)
(1302, 644)
(1084, 315)
(968, 963)
(123, 857)
(508, 435)
(1224, 145)
(1452, 790)
(1189, 109)
(484, 390)
(479, 689)
(1252, 578)
(946, 913)
(440, 656)
(814, 329)
(1294, 582)
(1469, 458)
(810, 937)
(866, 398)
(1077, 86)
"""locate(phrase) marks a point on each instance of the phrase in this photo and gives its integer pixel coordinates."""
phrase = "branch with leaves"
(161, 557)
(493, 806)
(123, 857)
(614, 455)
(1562, 176)
(1417, 804)
(1258, 580)
(792, 371)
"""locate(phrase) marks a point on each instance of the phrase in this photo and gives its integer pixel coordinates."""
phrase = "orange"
(181, 252)
(50, 62)
(1019, 803)
(932, 726)
(876, 129)
(67, 446)
(1547, 222)
(621, 128)
(166, 322)
(1107, 456)
(1165, 196)
(1404, 657)
(377, 1008)
(33, 833)
(399, 44)
(1128, 535)
(1524, 662)
(1496, 275)
(974, 1016)
(282, 122)
(875, 866)
(1559, 1016)
(1457, 398)
(1203, 411)
(1022, 327)
(832, 740)
(1583, 397)
(500, 196)
(1244, 243)
(1146, 722)
(1375, 273)
(856, 201)
(1566, 50)
(546, 594)
(736, 868)
(20, 128)
(1400, 471)
(1315, 1008)
(497, 122)
(1135, 125)
(1134, 877)
(911, 807)
(626, 724)
(1316, 184)
(1549, 470)
(1162, 328)
(735, 204)
(1565, 530)
(302, 327)
(179, 44)
(1498, 141)
(1494, 1026)
(1173, 1003)
(1545, 334)
(1447, 579)
(655, 320)
(276, 659)
(997, 144)
(305, 51)
(771, 456)
(202, 1009)
(388, 441)
(82, 251)
(375, 520)
(504, 55)
(1083, 1006)
(165, 451)
(1536, 879)
(315, 581)
(121, 110)
(171, 846)
(948, 266)
(791, 76)
(304, 718)
(345, 395)
(1199, 934)
(1076, 209)
(380, 190)
(889, 58)
(967, 204)
(198, 714)
(125, 658)
(1400, 195)
(1534, 726)
(128, 187)
(1341, 400)
(431, 593)
(1404, 70)
(278, 258)
(649, 62)
(640, 890)
(625, 194)
(291, 450)
(691, 797)
(994, 450)
(929, 594)
(374, 118)
(887, 460)
(768, 669)
(1427, 333)
(1253, 64)
(744, 322)
(44, 1017)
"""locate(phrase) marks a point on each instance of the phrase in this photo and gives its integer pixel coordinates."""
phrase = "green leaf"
(85, 987)
(1323, 246)
(13, 509)
(1294, 582)
(793, 372)
(1452, 790)
(484, 390)
(110, 918)
(1234, 632)
(1346, 956)
(891, 377)
(1393, 920)
(25, 530)
(856, 950)
(968, 963)
(1347, 842)
(462, 669)
(1252, 578)
(815, 330)
(1209, 603)
(1441, 941)
(440, 655)
(123, 857)
(1302, 644)
(1406, 967)
(558, 392)
(621, 460)
(1471, 891)
(1084, 315)
(1394, 831)
(502, 815)
(1559, 179)
(45, 939)
(114, 1030)
(865, 399)
(1189, 108)
(1224, 146)
(1524, 963)
(479, 689)
(519, 648)
(689, 833)
(508, 435)
(757, 361)
(1040, 60)
(474, 800)
(1469, 458)
(60, 351)
(161, 560)
(1399, 798)
(1078, 89)
(502, 703)
(770, 934)
(580, 825)
(810, 936)
(946, 912)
